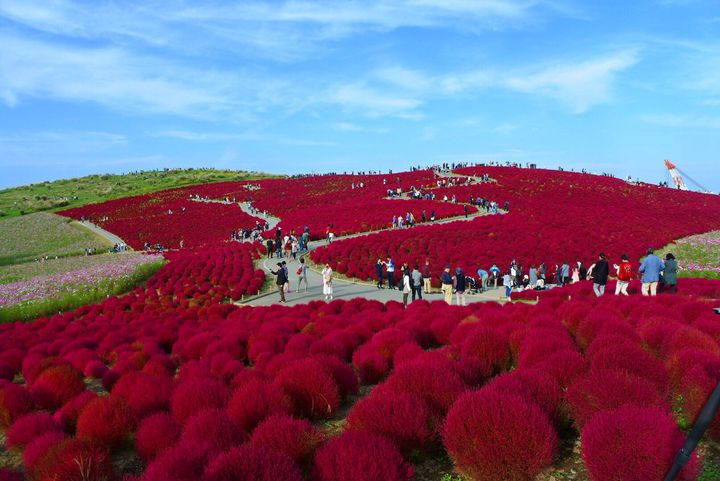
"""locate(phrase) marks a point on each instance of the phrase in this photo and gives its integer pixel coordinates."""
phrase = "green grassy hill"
(67, 193)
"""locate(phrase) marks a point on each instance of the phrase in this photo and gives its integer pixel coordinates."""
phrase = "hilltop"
(68, 193)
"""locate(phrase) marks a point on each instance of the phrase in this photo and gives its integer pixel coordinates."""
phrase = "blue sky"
(315, 86)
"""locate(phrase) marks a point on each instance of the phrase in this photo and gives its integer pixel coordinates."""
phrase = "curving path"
(112, 238)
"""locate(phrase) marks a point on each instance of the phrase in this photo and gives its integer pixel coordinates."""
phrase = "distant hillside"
(67, 193)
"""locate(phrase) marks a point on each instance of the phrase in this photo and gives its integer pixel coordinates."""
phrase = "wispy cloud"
(373, 102)
(74, 137)
(350, 127)
(683, 121)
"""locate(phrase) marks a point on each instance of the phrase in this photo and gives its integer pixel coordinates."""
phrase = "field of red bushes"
(554, 217)
(174, 382)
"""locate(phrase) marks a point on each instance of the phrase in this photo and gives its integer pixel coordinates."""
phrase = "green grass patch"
(85, 294)
(69, 193)
(33, 236)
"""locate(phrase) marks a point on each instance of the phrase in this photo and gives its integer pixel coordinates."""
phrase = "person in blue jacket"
(650, 269)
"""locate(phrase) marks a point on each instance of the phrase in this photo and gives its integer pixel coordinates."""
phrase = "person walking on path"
(600, 271)
(406, 289)
(447, 285)
(379, 273)
(426, 275)
(280, 280)
(670, 274)
(624, 275)
(417, 282)
(507, 283)
(460, 287)
(327, 274)
(302, 274)
(270, 248)
(390, 271)
(650, 269)
(495, 271)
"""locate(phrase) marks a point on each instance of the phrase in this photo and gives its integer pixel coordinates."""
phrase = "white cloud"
(373, 102)
(580, 85)
(350, 127)
(683, 121)
(505, 128)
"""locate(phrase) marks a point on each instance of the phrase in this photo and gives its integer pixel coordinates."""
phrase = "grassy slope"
(25, 238)
(59, 194)
(702, 250)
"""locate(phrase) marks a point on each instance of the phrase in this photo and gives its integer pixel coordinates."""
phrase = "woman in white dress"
(327, 282)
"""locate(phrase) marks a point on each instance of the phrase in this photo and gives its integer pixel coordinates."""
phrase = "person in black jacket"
(280, 280)
(600, 271)
(379, 273)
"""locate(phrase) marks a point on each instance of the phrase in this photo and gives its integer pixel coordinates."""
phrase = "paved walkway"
(245, 207)
(344, 289)
(112, 238)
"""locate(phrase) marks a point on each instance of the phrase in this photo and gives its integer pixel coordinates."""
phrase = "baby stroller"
(471, 285)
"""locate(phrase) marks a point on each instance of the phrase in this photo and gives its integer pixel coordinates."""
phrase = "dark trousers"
(379, 280)
(391, 280)
(417, 290)
(281, 289)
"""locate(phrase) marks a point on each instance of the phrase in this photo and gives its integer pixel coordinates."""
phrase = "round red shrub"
(155, 434)
(493, 436)
(434, 382)
(405, 419)
(95, 369)
(144, 393)
(28, 427)
(252, 462)
(213, 427)
(371, 365)
(197, 394)
(15, 401)
(107, 421)
(564, 366)
(67, 415)
(344, 375)
(297, 438)
(55, 386)
(696, 388)
(606, 390)
(489, 347)
(255, 400)
(178, 463)
(7, 474)
(535, 386)
(635, 360)
(360, 456)
(38, 448)
(632, 442)
(312, 389)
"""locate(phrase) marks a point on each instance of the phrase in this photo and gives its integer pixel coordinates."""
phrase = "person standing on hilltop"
(624, 275)
(426, 274)
(600, 271)
(670, 273)
(327, 274)
(650, 269)
(280, 280)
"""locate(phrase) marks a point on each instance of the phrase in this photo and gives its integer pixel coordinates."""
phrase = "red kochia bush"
(649, 435)
(252, 462)
(605, 390)
(74, 460)
(67, 416)
(55, 386)
(7, 474)
(196, 394)
(155, 434)
(297, 438)
(434, 382)
(635, 360)
(696, 388)
(255, 400)
(311, 387)
(213, 427)
(493, 436)
(14, 402)
(108, 421)
(405, 419)
(359, 456)
(371, 365)
(178, 463)
(489, 347)
(535, 386)
(144, 393)
(29, 427)
(38, 448)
